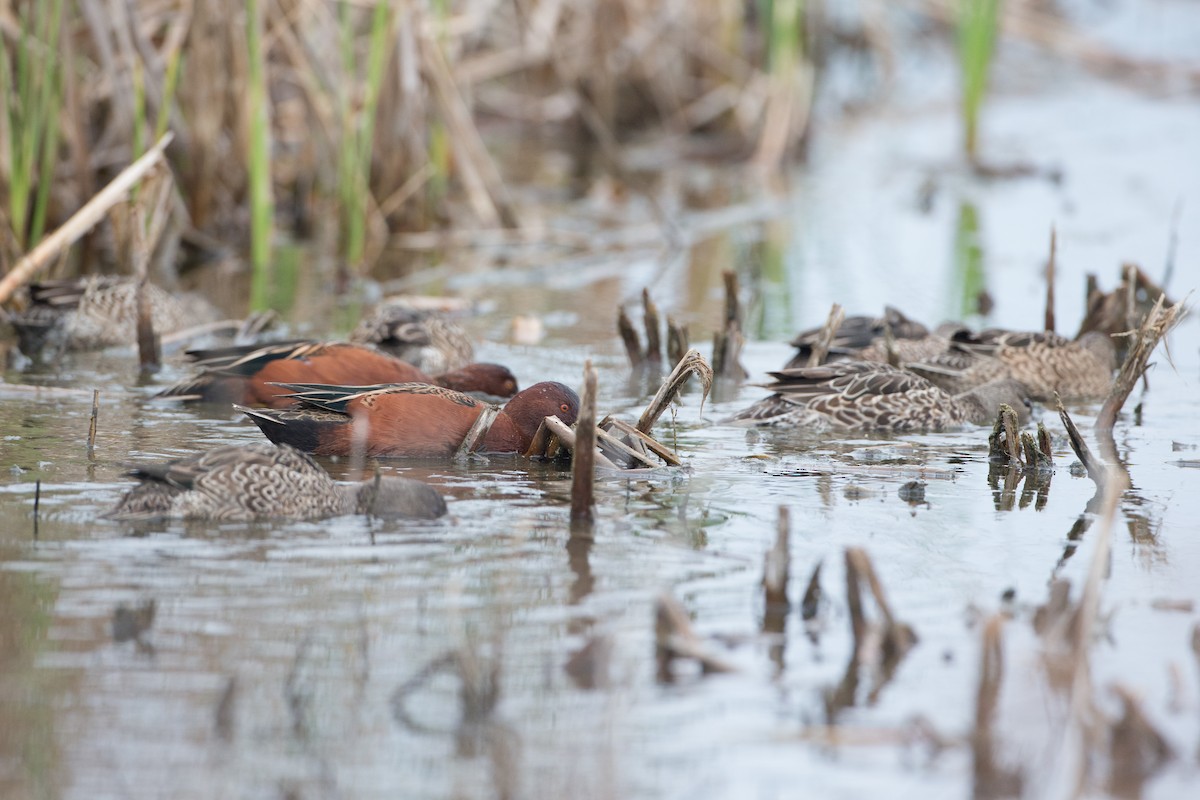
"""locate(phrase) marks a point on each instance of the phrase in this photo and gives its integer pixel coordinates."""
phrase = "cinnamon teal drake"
(250, 375)
(425, 338)
(98, 312)
(867, 396)
(243, 483)
(864, 338)
(411, 420)
(1045, 363)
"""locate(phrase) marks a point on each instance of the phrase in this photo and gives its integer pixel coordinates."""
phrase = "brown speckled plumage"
(426, 339)
(1044, 363)
(242, 483)
(99, 312)
(863, 338)
(866, 396)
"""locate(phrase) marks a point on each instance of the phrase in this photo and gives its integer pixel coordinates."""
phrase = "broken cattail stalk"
(1156, 325)
(825, 338)
(1035, 459)
(776, 566)
(1096, 469)
(1003, 443)
(583, 460)
(677, 340)
(37, 506)
(727, 343)
(1043, 439)
(611, 426)
(1050, 268)
(91, 441)
(651, 323)
(692, 362)
(149, 347)
(629, 336)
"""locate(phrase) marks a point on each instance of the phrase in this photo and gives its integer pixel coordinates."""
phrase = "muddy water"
(311, 660)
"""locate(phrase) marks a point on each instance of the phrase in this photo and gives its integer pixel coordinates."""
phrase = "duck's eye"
(563, 407)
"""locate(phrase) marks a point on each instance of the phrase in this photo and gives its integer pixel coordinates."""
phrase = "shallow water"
(317, 625)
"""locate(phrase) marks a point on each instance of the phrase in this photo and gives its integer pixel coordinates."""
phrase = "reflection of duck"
(864, 338)
(245, 375)
(409, 419)
(866, 396)
(240, 483)
(98, 312)
(1044, 363)
(424, 338)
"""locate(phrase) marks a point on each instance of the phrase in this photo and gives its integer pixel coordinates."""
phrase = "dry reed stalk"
(1157, 324)
(485, 188)
(825, 337)
(1050, 272)
(583, 461)
(81, 221)
(37, 504)
(727, 343)
(91, 440)
(1096, 469)
(1003, 443)
(144, 233)
(629, 336)
(692, 362)
(677, 341)
(651, 322)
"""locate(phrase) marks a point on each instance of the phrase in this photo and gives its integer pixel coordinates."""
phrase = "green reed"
(969, 270)
(978, 23)
(785, 35)
(259, 162)
(358, 137)
(30, 99)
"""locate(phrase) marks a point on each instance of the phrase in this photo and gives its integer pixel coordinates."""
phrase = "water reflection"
(30, 759)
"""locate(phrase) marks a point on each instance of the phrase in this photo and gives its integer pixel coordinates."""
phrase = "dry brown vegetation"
(435, 77)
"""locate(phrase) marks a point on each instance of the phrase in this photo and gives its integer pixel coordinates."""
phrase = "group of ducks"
(892, 374)
(405, 386)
